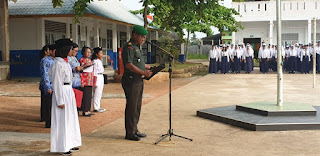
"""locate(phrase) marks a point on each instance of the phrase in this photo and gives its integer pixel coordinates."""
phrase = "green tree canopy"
(79, 7)
(193, 15)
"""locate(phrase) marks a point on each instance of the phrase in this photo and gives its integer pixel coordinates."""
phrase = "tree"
(192, 15)
(194, 40)
(79, 7)
(238, 0)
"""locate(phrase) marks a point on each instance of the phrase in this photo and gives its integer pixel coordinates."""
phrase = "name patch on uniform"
(130, 48)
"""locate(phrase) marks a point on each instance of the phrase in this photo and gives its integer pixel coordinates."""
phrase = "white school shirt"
(317, 49)
(305, 53)
(248, 53)
(97, 67)
(237, 52)
(311, 50)
(293, 52)
(219, 54)
(224, 53)
(230, 52)
(264, 53)
(298, 51)
(212, 54)
(287, 53)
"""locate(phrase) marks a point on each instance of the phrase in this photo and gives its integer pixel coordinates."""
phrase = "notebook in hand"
(155, 70)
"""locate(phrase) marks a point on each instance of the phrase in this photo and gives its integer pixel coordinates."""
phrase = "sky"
(135, 5)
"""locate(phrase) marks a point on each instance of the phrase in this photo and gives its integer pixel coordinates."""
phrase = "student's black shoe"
(75, 149)
(86, 114)
(134, 138)
(67, 153)
(141, 135)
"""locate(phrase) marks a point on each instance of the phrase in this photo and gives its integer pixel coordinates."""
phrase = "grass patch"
(201, 73)
(197, 56)
(256, 62)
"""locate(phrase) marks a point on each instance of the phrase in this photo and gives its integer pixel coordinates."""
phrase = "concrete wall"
(291, 10)
(253, 30)
(23, 34)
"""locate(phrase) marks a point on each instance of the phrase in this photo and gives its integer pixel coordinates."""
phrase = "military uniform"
(132, 85)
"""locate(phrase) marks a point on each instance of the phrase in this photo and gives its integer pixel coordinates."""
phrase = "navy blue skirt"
(224, 65)
(304, 65)
(248, 67)
(213, 66)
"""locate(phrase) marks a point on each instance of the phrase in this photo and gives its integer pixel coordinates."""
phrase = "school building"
(259, 21)
(35, 23)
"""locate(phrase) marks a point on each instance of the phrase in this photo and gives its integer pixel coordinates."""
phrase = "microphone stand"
(170, 131)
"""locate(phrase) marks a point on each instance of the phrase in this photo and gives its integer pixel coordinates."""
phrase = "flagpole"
(314, 51)
(279, 57)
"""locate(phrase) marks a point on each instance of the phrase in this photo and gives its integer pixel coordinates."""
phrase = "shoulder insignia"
(129, 43)
(130, 48)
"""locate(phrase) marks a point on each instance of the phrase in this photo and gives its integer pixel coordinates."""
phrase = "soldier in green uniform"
(132, 81)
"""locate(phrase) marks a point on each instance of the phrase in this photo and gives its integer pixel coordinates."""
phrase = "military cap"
(140, 30)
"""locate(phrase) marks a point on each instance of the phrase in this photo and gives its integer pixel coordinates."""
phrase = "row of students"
(231, 58)
(61, 71)
(296, 57)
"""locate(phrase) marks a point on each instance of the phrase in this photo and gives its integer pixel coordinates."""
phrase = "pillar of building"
(234, 38)
(96, 34)
(128, 33)
(114, 45)
(271, 32)
(74, 32)
(5, 51)
(68, 28)
(309, 32)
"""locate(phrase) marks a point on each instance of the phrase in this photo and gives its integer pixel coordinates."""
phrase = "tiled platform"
(255, 122)
(270, 108)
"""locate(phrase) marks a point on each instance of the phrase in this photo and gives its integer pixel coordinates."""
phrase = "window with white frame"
(290, 38)
(54, 31)
(109, 39)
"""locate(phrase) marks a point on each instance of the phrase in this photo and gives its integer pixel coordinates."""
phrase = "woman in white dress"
(65, 129)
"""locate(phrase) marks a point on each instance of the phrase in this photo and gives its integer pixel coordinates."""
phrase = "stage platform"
(266, 116)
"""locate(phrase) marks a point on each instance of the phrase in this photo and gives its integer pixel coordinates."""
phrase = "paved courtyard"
(210, 138)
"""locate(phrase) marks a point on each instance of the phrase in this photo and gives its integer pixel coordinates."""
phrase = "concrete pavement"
(211, 138)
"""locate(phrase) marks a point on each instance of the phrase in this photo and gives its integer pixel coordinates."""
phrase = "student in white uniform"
(219, 49)
(264, 56)
(248, 55)
(98, 79)
(287, 64)
(213, 68)
(230, 65)
(65, 129)
(224, 57)
(293, 60)
(305, 59)
(237, 59)
(311, 56)
(317, 51)
(298, 49)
